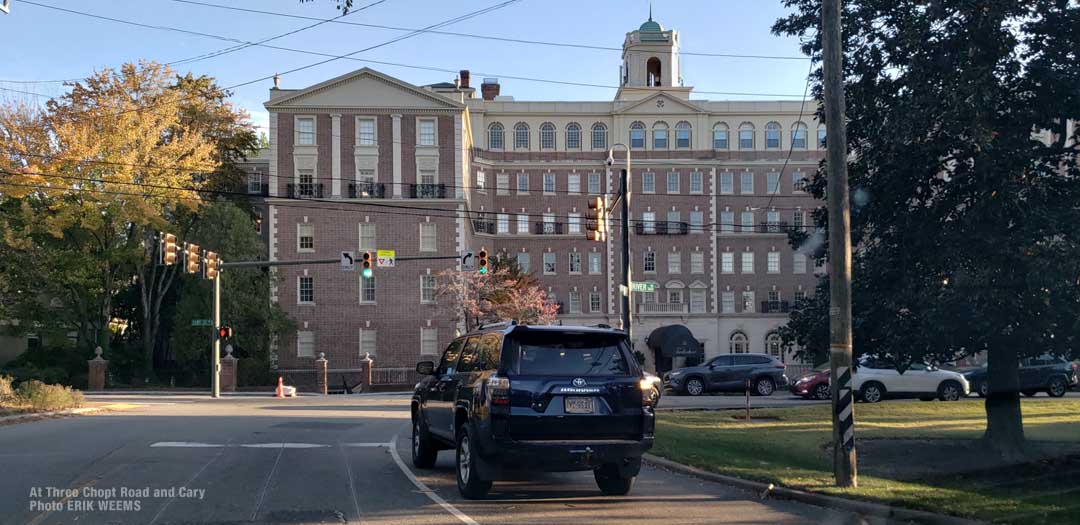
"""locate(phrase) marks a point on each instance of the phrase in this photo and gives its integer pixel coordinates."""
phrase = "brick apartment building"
(366, 161)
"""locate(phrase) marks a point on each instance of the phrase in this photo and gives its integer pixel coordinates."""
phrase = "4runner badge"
(579, 382)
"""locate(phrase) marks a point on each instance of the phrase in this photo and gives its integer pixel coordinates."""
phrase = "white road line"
(184, 444)
(262, 493)
(196, 444)
(424, 488)
(352, 486)
(186, 483)
(284, 445)
(367, 444)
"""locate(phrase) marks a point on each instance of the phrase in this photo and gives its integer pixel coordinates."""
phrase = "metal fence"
(394, 376)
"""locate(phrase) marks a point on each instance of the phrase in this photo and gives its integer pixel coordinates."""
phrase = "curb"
(821, 500)
(54, 413)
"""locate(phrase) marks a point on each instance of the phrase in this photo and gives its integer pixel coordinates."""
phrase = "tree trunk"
(1004, 421)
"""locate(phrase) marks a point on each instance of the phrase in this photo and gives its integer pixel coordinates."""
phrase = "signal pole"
(624, 213)
(216, 375)
(845, 469)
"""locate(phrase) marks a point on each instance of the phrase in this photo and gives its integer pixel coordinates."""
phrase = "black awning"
(675, 341)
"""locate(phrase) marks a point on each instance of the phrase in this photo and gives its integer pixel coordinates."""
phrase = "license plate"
(578, 405)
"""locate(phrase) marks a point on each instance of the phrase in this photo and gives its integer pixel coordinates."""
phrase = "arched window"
(682, 135)
(821, 136)
(599, 136)
(521, 136)
(573, 136)
(746, 136)
(774, 346)
(798, 136)
(660, 135)
(772, 135)
(720, 136)
(738, 343)
(637, 135)
(652, 67)
(495, 136)
(547, 136)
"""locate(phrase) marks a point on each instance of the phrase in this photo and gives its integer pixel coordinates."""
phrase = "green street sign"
(642, 287)
(202, 322)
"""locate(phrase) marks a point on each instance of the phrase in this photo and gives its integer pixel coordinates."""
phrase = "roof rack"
(483, 326)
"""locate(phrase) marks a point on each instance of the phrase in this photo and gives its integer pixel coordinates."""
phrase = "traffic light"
(211, 265)
(169, 249)
(191, 258)
(482, 266)
(365, 264)
(596, 220)
(224, 333)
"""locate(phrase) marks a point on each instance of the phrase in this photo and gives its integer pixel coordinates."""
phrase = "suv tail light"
(648, 392)
(499, 390)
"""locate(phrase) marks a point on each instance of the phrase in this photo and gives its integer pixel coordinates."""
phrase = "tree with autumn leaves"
(505, 293)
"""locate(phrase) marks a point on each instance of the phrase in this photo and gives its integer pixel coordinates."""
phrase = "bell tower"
(650, 62)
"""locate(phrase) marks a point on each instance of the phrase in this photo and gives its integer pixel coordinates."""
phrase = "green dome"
(651, 27)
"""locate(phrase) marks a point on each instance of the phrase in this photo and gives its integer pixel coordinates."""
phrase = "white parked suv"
(875, 380)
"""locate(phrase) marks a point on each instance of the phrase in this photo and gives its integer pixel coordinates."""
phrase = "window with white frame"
(648, 220)
(305, 343)
(427, 132)
(727, 262)
(673, 182)
(674, 262)
(594, 262)
(427, 181)
(773, 262)
(697, 301)
(575, 262)
(772, 136)
(502, 184)
(305, 131)
(307, 182)
(727, 302)
(637, 135)
(748, 301)
(772, 221)
(575, 302)
(594, 183)
(746, 136)
(495, 136)
(427, 289)
(727, 222)
(821, 136)
(673, 220)
(798, 220)
(365, 132)
(748, 262)
(773, 182)
(502, 223)
(367, 176)
(599, 136)
(649, 264)
(697, 220)
(798, 136)
(696, 184)
(738, 343)
(660, 136)
(798, 182)
(368, 341)
(523, 261)
(800, 297)
(367, 237)
(682, 135)
(523, 183)
(522, 223)
(674, 296)
(550, 264)
(799, 263)
(647, 297)
(367, 289)
(774, 301)
(648, 182)
(573, 136)
(305, 238)
(697, 262)
(547, 136)
(255, 181)
(549, 183)
(747, 222)
(481, 182)
(746, 183)
(549, 223)
(429, 341)
(594, 301)
(573, 183)
(521, 136)
(573, 223)
(720, 136)
(727, 183)
(305, 290)
(427, 237)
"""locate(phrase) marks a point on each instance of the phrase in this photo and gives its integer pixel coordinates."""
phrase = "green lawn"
(919, 455)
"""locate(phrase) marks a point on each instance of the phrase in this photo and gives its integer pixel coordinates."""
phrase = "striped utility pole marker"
(845, 404)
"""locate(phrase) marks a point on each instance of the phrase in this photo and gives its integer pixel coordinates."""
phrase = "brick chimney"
(464, 76)
(490, 88)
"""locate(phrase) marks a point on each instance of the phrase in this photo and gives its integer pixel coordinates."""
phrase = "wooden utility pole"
(845, 469)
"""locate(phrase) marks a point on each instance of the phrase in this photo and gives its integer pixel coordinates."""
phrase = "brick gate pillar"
(367, 363)
(320, 374)
(98, 368)
(228, 370)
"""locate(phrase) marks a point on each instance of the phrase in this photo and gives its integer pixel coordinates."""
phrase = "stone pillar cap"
(97, 355)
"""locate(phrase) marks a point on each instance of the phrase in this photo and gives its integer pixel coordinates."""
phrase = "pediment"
(661, 104)
(364, 88)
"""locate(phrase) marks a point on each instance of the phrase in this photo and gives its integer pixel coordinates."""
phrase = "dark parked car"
(535, 398)
(729, 373)
(1046, 373)
(814, 385)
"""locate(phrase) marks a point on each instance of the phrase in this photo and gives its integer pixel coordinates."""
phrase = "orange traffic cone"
(280, 392)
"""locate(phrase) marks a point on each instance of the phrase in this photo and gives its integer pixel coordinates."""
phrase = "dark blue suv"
(511, 397)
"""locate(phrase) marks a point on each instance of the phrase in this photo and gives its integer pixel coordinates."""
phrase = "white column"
(335, 154)
(397, 156)
(273, 176)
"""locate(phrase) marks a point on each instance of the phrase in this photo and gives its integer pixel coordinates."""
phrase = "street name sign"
(642, 287)
(202, 322)
(385, 258)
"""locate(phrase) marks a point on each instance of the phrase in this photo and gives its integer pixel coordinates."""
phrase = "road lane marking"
(284, 445)
(424, 488)
(186, 483)
(352, 486)
(266, 486)
(198, 444)
(184, 444)
(367, 444)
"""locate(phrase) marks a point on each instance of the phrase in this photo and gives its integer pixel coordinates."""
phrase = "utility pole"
(845, 469)
(215, 376)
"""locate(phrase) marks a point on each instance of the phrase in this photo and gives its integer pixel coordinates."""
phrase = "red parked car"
(814, 385)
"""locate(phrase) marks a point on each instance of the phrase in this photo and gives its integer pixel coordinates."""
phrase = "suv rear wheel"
(1057, 387)
(764, 386)
(611, 483)
(695, 386)
(424, 451)
(872, 392)
(468, 480)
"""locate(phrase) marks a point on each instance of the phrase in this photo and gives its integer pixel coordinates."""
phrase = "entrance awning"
(675, 341)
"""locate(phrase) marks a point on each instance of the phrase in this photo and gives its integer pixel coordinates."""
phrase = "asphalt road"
(334, 459)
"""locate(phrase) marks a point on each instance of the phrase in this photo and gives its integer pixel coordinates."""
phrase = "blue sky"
(44, 44)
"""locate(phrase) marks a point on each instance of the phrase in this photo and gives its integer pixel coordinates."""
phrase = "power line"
(806, 138)
(485, 37)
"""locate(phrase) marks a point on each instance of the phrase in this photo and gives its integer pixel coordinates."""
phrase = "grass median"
(921, 455)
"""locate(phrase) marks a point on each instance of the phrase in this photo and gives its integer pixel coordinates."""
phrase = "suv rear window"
(569, 354)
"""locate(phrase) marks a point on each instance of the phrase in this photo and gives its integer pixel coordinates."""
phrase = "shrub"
(6, 392)
(41, 396)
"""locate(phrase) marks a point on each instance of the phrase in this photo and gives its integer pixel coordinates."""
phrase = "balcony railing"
(775, 307)
(548, 228)
(427, 191)
(661, 228)
(304, 191)
(367, 190)
(484, 226)
(663, 308)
